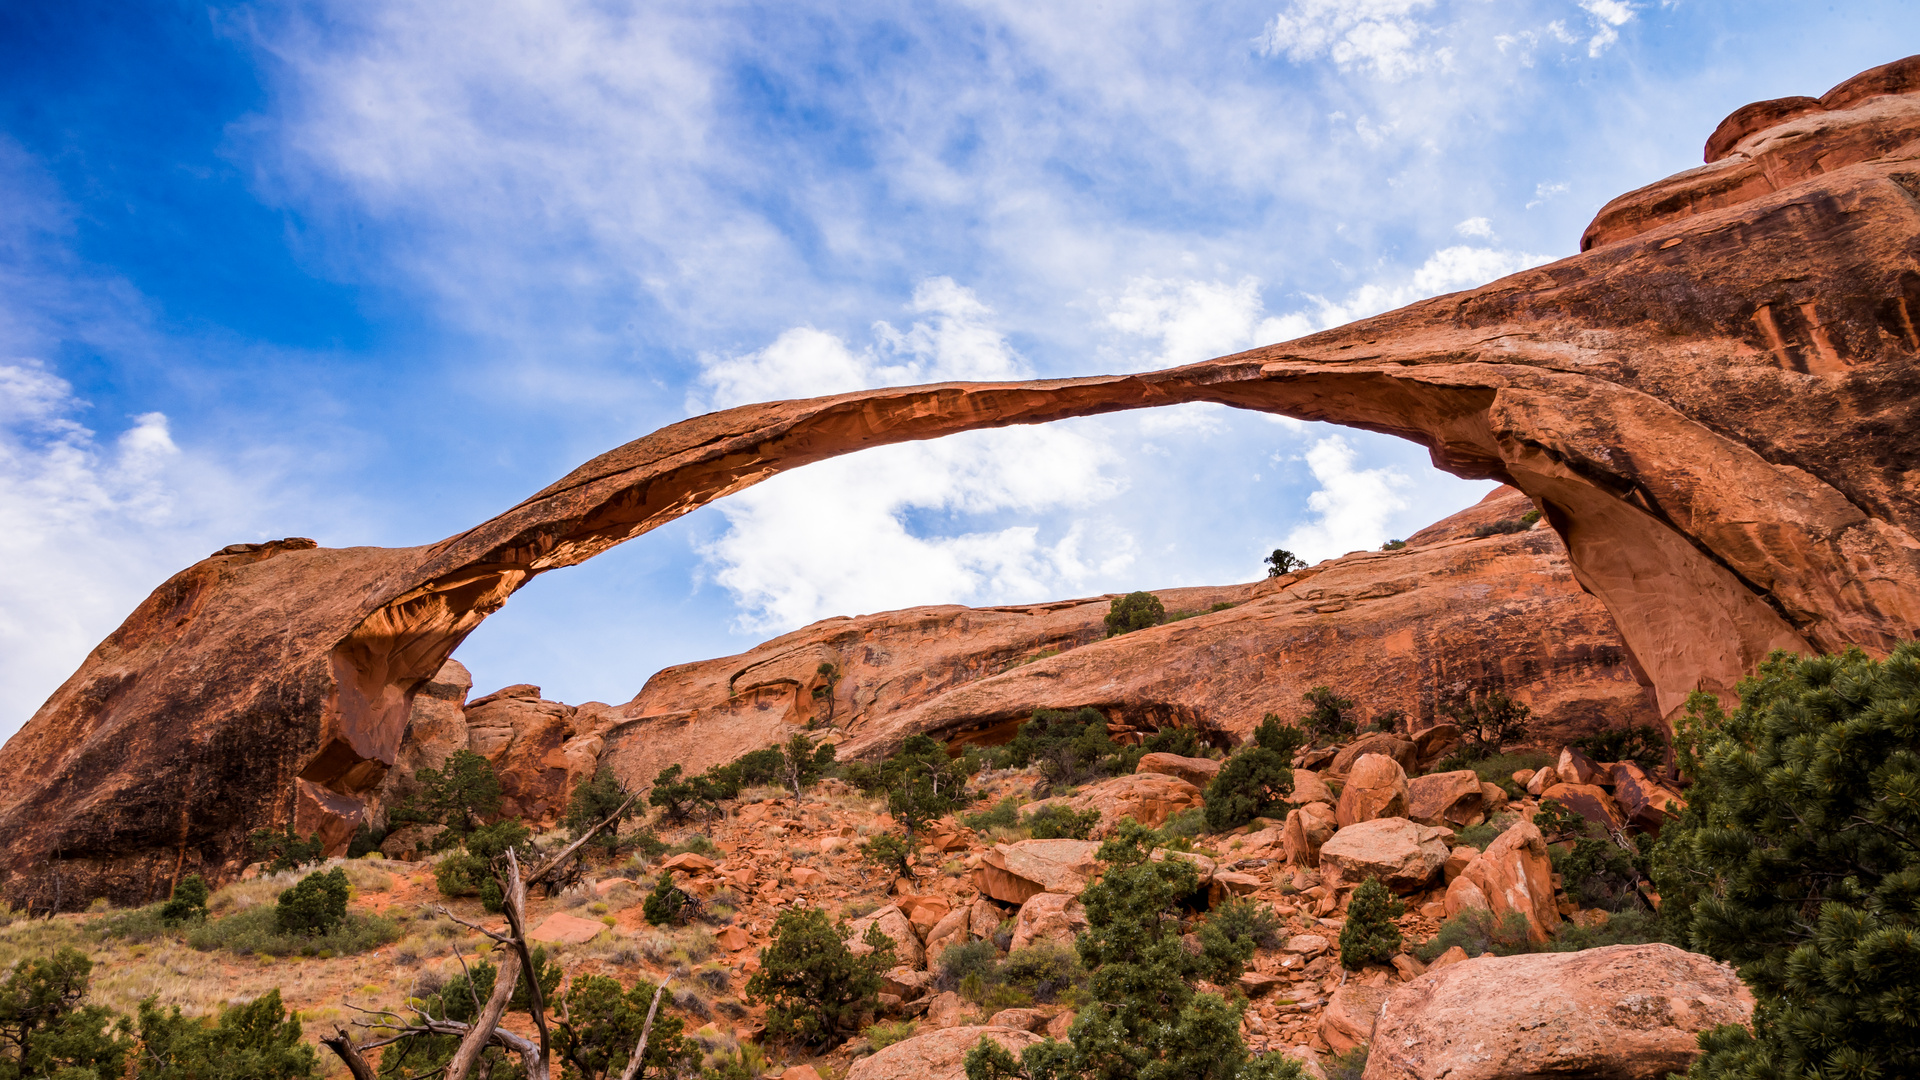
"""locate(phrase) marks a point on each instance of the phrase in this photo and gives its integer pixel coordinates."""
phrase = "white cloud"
(1352, 506)
(1381, 35)
(1607, 17)
(835, 538)
(1193, 320)
(1450, 269)
(93, 525)
(1475, 226)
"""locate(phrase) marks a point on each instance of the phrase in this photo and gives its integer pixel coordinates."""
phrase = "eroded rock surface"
(1713, 407)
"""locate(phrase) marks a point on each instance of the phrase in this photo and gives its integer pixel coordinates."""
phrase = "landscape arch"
(1713, 405)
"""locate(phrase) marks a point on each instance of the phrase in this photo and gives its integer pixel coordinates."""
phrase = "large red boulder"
(1376, 788)
(1624, 1012)
(1514, 874)
(1404, 855)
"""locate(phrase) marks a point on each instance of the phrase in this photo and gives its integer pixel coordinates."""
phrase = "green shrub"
(257, 931)
(668, 903)
(188, 902)
(462, 795)
(814, 987)
(1502, 528)
(1394, 545)
(460, 1000)
(680, 797)
(1057, 821)
(976, 958)
(1177, 740)
(316, 904)
(1004, 814)
(1138, 1015)
(1134, 611)
(1488, 721)
(595, 799)
(46, 1031)
(881, 1036)
(1796, 861)
(1625, 928)
(890, 853)
(1348, 1065)
(1330, 717)
(1256, 781)
(1179, 830)
(602, 1027)
(366, 840)
(1070, 747)
(1241, 919)
(1476, 931)
(923, 782)
(697, 843)
(283, 850)
(1283, 562)
(1043, 970)
(1640, 744)
(255, 1040)
(1370, 936)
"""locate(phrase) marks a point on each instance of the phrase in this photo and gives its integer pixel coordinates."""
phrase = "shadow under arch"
(1716, 414)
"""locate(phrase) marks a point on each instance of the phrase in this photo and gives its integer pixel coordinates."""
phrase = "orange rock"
(1452, 956)
(1054, 917)
(1307, 828)
(944, 1010)
(1590, 802)
(1255, 984)
(1513, 874)
(924, 912)
(563, 929)
(806, 876)
(906, 944)
(1022, 1019)
(936, 1055)
(1196, 771)
(1628, 1011)
(1377, 788)
(689, 862)
(1448, 797)
(1430, 744)
(1391, 746)
(1576, 767)
(1309, 788)
(800, 1072)
(1011, 873)
(1458, 860)
(732, 939)
(1644, 802)
(1523, 776)
(1148, 798)
(1349, 1018)
(1061, 1026)
(1404, 855)
(1230, 883)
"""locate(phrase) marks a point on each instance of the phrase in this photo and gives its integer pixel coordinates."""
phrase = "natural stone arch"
(1713, 407)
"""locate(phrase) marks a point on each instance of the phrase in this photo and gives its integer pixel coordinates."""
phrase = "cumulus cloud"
(1351, 507)
(1607, 16)
(1384, 36)
(889, 526)
(93, 524)
(1191, 319)
(1476, 226)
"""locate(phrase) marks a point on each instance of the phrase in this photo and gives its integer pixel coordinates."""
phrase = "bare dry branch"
(638, 1060)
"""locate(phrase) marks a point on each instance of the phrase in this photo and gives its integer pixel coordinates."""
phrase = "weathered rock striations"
(1713, 406)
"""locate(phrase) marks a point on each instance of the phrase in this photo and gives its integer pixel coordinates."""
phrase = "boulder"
(732, 939)
(945, 1010)
(1523, 776)
(905, 983)
(936, 1055)
(1256, 984)
(924, 912)
(1493, 797)
(1513, 874)
(1624, 1012)
(893, 923)
(1054, 917)
(1404, 855)
(1542, 780)
(1590, 802)
(1445, 797)
(1376, 788)
(1230, 883)
(1646, 803)
(1576, 767)
(1013, 872)
(1431, 744)
(1148, 798)
(563, 929)
(1196, 771)
(411, 842)
(1307, 946)
(1309, 788)
(1454, 955)
(1306, 829)
(690, 862)
(1351, 1014)
(983, 918)
(1022, 1019)
(1386, 745)
(950, 930)
(1457, 860)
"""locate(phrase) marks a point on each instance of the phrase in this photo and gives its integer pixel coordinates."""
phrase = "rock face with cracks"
(1713, 406)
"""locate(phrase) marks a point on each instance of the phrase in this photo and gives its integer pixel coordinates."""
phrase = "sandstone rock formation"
(1404, 855)
(1148, 798)
(1713, 406)
(1626, 1012)
(936, 1055)
(1376, 788)
(1514, 874)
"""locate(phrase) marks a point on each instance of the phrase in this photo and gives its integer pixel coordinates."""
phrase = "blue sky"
(372, 272)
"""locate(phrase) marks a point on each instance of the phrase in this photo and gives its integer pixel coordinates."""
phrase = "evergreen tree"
(815, 989)
(1330, 717)
(1141, 1019)
(46, 1031)
(1370, 936)
(603, 1024)
(1283, 562)
(1797, 860)
(315, 905)
(668, 903)
(1488, 722)
(1134, 611)
(461, 795)
(254, 1040)
(923, 782)
(1256, 781)
(284, 850)
(890, 853)
(188, 902)
(595, 799)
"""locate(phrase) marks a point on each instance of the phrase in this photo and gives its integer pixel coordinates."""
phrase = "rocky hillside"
(1453, 612)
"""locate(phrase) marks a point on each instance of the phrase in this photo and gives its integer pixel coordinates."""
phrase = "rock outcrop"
(1626, 1012)
(1713, 406)
(936, 1055)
